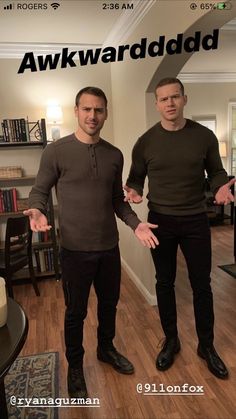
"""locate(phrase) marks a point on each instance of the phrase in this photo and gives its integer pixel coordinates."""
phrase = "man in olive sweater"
(87, 173)
(174, 154)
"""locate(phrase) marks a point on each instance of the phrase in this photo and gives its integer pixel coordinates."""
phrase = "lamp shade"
(54, 114)
(222, 149)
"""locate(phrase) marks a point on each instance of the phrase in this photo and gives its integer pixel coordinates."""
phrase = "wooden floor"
(139, 337)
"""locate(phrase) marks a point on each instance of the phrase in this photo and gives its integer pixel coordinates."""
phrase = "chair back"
(18, 242)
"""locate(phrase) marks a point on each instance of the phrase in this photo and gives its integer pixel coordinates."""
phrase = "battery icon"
(221, 6)
(224, 5)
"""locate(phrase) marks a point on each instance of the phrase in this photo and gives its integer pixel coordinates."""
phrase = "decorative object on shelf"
(3, 303)
(35, 131)
(54, 117)
(9, 172)
(22, 204)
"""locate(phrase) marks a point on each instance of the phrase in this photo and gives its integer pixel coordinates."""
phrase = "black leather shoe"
(166, 357)
(214, 363)
(114, 358)
(76, 383)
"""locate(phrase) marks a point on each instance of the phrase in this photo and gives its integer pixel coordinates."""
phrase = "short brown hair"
(170, 80)
(90, 90)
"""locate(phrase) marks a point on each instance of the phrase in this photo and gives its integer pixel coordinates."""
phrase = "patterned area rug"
(32, 377)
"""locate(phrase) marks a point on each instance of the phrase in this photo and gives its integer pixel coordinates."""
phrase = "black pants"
(79, 271)
(192, 234)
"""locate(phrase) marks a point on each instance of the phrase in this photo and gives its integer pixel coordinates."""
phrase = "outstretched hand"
(38, 221)
(224, 195)
(132, 196)
(144, 233)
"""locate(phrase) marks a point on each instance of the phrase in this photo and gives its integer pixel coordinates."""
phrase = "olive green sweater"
(176, 164)
(88, 180)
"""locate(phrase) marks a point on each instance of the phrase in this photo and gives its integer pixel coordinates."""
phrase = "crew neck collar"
(174, 131)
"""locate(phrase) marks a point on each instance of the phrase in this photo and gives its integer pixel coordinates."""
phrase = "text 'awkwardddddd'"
(136, 51)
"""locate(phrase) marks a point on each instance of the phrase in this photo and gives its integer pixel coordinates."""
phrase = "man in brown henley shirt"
(87, 173)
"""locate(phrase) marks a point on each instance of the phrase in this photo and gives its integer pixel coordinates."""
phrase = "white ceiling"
(85, 21)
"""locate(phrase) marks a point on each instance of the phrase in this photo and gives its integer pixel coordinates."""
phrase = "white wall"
(28, 94)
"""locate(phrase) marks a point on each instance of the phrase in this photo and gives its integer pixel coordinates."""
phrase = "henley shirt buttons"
(93, 158)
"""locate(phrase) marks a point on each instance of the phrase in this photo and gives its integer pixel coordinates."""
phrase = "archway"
(172, 64)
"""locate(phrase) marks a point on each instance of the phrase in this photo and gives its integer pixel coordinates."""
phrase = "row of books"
(8, 200)
(44, 259)
(15, 130)
(42, 236)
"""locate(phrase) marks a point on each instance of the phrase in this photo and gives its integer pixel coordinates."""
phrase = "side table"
(12, 339)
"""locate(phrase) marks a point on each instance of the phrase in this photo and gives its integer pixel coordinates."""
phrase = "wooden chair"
(18, 252)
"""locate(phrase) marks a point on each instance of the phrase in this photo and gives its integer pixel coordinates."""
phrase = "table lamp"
(54, 117)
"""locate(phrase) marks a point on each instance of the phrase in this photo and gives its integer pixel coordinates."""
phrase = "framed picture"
(207, 121)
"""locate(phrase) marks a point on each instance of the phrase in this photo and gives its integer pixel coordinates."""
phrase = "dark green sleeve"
(138, 170)
(216, 173)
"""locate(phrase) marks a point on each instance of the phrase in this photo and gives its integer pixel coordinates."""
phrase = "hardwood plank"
(139, 337)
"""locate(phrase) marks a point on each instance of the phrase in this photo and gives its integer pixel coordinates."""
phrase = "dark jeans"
(79, 271)
(192, 234)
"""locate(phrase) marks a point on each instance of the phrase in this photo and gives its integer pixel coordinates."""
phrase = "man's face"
(91, 113)
(170, 102)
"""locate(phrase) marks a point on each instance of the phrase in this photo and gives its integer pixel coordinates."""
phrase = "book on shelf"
(44, 260)
(41, 236)
(8, 200)
(44, 236)
(37, 260)
(20, 130)
(15, 130)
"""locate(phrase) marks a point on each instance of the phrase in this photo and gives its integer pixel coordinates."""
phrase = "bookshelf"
(48, 249)
(21, 132)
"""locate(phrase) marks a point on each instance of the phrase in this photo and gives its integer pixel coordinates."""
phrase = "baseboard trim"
(150, 298)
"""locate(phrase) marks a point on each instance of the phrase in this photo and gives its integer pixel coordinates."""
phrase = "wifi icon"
(55, 5)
